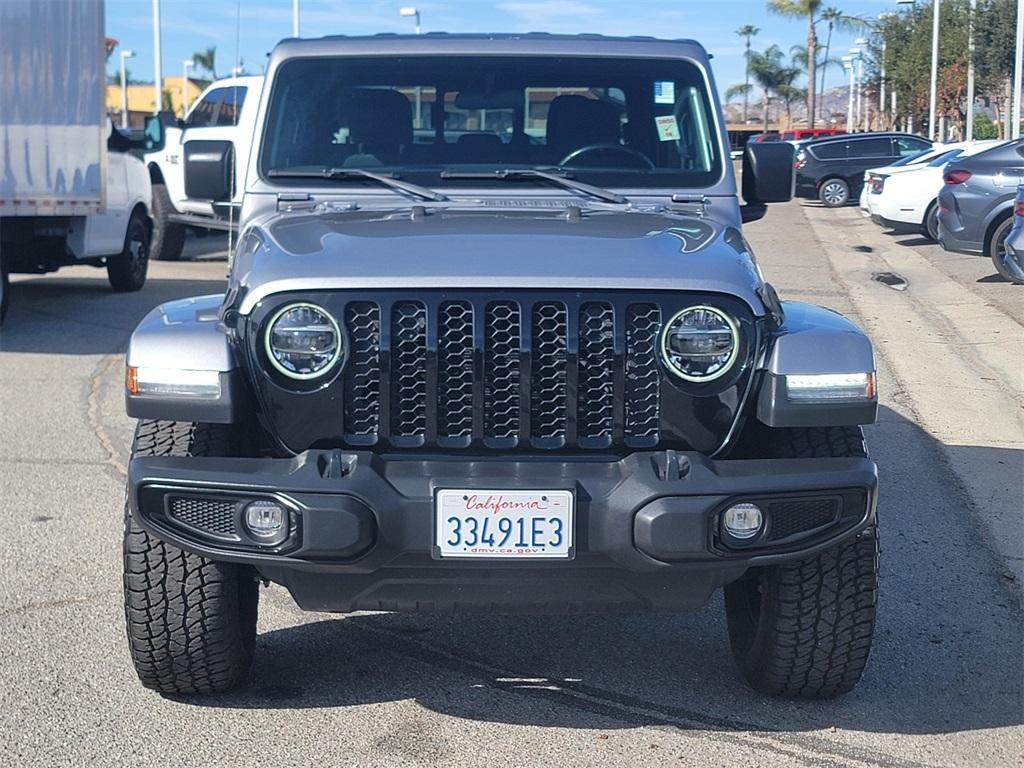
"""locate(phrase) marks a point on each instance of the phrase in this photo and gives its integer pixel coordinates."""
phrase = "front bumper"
(645, 525)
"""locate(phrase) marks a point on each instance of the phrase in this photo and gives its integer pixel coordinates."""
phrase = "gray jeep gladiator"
(493, 340)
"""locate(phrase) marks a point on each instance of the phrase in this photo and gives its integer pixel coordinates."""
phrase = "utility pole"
(933, 92)
(124, 87)
(1018, 71)
(158, 77)
(969, 129)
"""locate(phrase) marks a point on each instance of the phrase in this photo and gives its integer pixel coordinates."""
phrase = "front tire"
(127, 270)
(191, 621)
(834, 193)
(168, 237)
(804, 629)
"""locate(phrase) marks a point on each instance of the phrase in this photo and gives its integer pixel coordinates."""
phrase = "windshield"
(606, 121)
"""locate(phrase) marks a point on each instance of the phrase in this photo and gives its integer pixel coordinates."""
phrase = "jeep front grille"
(504, 373)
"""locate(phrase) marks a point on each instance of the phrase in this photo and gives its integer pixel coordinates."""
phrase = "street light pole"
(158, 77)
(848, 66)
(185, 66)
(412, 11)
(124, 87)
(295, 18)
(933, 91)
(1018, 71)
(969, 128)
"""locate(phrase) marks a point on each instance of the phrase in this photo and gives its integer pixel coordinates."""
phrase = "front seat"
(576, 121)
(380, 125)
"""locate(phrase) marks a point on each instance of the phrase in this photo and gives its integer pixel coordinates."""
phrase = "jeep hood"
(562, 248)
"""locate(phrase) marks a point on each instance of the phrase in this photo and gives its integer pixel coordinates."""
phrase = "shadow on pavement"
(946, 656)
(82, 316)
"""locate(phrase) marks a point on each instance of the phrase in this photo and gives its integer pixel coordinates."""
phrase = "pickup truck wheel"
(804, 629)
(191, 621)
(834, 193)
(168, 237)
(127, 270)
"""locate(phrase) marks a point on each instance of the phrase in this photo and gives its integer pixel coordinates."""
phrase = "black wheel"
(1007, 267)
(127, 270)
(804, 629)
(191, 621)
(930, 227)
(168, 237)
(833, 193)
(5, 292)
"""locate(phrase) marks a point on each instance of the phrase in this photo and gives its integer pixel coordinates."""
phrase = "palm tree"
(770, 73)
(798, 55)
(747, 31)
(206, 60)
(811, 11)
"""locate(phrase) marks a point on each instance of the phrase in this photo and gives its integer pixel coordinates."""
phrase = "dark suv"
(832, 169)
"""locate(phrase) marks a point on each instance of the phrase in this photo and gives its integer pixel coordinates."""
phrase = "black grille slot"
(501, 372)
(409, 369)
(455, 370)
(596, 401)
(643, 321)
(792, 516)
(547, 381)
(213, 516)
(362, 373)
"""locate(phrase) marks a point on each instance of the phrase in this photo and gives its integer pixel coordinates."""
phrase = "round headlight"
(700, 343)
(303, 341)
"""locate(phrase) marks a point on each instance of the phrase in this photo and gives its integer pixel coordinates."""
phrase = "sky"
(248, 29)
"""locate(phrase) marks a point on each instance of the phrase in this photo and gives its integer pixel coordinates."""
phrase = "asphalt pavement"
(943, 687)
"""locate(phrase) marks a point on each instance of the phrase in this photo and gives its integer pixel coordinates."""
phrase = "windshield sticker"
(668, 128)
(664, 92)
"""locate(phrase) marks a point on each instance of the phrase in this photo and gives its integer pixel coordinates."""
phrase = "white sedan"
(904, 198)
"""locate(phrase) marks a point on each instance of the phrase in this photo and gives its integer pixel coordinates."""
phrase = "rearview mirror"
(768, 176)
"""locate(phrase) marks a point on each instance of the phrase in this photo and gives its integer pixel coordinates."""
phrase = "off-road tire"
(834, 193)
(168, 237)
(996, 249)
(804, 629)
(127, 270)
(191, 621)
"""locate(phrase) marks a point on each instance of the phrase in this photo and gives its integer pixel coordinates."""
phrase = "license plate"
(503, 524)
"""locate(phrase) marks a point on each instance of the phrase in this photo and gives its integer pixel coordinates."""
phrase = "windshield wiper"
(387, 180)
(515, 174)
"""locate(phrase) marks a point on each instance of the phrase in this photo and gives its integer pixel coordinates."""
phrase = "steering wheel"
(642, 161)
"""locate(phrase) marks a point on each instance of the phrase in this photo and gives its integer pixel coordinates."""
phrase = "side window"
(833, 150)
(231, 107)
(871, 148)
(906, 146)
(203, 113)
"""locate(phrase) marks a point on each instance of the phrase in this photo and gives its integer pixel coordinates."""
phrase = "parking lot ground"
(943, 687)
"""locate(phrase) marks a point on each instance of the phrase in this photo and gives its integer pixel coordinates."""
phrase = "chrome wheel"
(834, 193)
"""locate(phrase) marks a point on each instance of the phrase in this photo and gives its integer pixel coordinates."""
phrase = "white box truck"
(69, 191)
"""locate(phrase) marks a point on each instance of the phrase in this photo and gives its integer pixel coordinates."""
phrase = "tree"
(770, 73)
(747, 31)
(811, 11)
(206, 60)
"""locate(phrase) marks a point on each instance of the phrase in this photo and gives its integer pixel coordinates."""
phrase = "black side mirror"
(154, 133)
(768, 176)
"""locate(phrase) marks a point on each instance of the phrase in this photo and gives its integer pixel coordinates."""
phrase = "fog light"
(267, 521)
(742, 521)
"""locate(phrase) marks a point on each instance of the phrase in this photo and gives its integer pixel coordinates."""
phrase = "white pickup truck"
(197, 170)
(69, 191)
